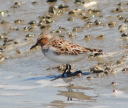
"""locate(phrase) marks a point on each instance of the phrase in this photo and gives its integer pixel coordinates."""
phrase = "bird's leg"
(67, 70)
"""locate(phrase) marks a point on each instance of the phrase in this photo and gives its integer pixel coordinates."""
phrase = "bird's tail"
(95, 52)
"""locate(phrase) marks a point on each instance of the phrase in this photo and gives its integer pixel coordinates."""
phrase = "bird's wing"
(67, 48)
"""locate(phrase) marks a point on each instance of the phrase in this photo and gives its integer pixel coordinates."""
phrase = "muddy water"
(26, 81)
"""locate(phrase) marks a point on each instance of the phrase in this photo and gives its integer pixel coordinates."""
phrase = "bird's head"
(43, 40)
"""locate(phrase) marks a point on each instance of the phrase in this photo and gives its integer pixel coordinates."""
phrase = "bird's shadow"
(55, 77)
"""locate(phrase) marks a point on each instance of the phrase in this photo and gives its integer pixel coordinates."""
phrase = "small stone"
(97, 69)
(71, 12)
(52, 9)
(96, 22)
(114, 84)
(29, 28)
(123, 28)
(45, 27)
(112, 24)
(34, 2)
(87, 37)
(77, 29)
(119, 9)
(70, 19)
(18, 21)
(77, 1)
(89, 77)
(70, 35)
(119, 62)
(94, 12)
(4, 13)
(15, 42)
(58, 31)
(85, 18)
(14, 28)
(114, 91)
(120, 17)
(3, 35)
(119, 4)
(63, 6)
(18, 51)
(51, 0)
(75, 12)
(125, 70)
(4, 22)
(29, 35)
(124, 35)
(126, 20)
(16, 5)
(100, 37)
(32, 23)
(2, 58)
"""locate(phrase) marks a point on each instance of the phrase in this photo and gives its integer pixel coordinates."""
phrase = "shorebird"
(62, 51)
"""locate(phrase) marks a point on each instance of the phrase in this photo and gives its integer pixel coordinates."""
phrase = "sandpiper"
(62, 51)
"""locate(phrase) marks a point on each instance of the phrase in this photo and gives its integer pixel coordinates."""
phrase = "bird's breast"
(62, 58)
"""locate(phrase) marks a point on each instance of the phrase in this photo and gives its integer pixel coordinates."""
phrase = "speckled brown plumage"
(67, 48)
(62, 47)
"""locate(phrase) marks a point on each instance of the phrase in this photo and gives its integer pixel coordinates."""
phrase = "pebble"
(34, 2)
(28, 28)
(121, 61)
(4, 13)
(52, 9)
(124, 35)
(18, 51)
(77, 29)
(100, 37)
(4, 22)
(51, 0)
(126, 20)
(32, 23)
(18, 21)
(125, 70)
(117, 10)
(3, 35)
(70, 19)
(14, 28)
(120, 17)
(16, 5)
(30, 35)
(97, 69)
(89, 77)
(112, 24)
(77, 1)
(123, 28)
(96, 22)
(114, 84)
(61, 6)
(2, 58)
(87, 37)
(94, 12)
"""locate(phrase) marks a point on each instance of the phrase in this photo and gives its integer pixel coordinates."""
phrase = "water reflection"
(72, 93)
(58, 104)
(76, 92)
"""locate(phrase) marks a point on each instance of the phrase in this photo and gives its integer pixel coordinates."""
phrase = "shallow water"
(25, 79)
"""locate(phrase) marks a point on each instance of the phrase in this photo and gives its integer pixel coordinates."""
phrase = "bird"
(63, 51)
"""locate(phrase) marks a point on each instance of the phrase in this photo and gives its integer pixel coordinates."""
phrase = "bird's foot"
(71, 74)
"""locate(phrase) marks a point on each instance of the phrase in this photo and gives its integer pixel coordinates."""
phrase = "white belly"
(65, 59)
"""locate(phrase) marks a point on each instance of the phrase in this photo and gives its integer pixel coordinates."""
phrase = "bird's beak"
(34, 46)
